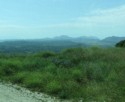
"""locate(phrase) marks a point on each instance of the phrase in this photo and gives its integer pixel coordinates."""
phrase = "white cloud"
(113, 17)
(105, 18)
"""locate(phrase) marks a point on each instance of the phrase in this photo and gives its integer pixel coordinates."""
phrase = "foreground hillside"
(90, 74)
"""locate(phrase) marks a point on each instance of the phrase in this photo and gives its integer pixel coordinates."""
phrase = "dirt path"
(10, 93)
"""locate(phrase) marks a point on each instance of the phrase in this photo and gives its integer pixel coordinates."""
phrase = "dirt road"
(11, 93)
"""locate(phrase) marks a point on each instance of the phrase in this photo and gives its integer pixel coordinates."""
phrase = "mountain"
(65, 37)
(55, 44)
(113, 39)
(82, 39)
(90, 40)
(62, 37)
(87, 40)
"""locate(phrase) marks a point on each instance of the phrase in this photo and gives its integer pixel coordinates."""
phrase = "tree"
(120, 44)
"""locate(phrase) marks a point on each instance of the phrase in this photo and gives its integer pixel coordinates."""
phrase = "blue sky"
(31, 19)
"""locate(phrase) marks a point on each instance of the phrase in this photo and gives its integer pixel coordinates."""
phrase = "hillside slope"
(90, 74)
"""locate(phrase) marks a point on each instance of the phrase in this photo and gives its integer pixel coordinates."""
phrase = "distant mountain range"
(83, 40)
(90, 41)
(55, 44)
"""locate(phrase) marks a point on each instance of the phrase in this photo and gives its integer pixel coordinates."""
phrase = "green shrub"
(46, 54)
(9, 69)
(53, 87)
(78, 76)
(70, 89)
(33, 80)
(19, 78)
(120, 44)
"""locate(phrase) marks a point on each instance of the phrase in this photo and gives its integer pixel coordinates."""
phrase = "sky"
(32, 19)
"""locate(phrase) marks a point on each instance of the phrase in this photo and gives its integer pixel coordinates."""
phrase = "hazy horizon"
(31, 19)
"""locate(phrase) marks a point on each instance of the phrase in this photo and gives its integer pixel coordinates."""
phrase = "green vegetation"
(121, 44)
(34, 46)
(92, 74)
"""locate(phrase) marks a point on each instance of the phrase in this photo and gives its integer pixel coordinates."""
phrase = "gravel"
(14, 93)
